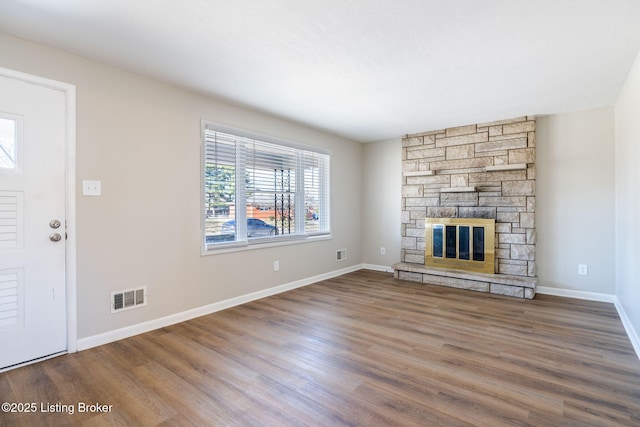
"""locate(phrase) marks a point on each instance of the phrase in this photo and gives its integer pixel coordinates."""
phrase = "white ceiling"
(364, 69)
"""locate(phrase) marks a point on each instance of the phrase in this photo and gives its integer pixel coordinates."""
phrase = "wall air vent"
(341, 254)
(128, 299)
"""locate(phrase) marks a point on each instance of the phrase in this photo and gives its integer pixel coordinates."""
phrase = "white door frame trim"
(70, 190)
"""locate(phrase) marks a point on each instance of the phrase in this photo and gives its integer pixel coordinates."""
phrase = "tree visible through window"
(256, 191)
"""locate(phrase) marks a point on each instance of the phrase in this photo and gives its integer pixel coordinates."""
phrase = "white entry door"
(32, 221)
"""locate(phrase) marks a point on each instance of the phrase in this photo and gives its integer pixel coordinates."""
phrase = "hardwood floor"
(361, 349)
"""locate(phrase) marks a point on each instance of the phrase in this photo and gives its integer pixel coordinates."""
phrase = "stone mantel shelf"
(514, 167)
(496, 168)
(419, 173)
(459, 190)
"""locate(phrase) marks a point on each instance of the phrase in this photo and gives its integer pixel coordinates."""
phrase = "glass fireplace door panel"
(478, 243)
(450, 242)
(438, 239)
(464, 251)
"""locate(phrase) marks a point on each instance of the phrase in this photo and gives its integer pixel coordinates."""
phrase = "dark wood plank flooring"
(362, 349)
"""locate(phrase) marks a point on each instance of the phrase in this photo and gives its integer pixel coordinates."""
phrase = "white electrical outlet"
(276, 265)
(382, 250)
(91, 188)
(583, 269)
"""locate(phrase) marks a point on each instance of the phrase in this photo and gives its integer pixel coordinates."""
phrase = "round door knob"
(54, 223)
(55, 237)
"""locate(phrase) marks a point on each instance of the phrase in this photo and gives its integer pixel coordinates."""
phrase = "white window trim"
(256, 243)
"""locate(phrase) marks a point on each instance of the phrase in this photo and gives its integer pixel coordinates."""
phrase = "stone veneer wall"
(485, 170)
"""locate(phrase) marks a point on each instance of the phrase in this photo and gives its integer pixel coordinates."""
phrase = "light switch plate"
(91, 188)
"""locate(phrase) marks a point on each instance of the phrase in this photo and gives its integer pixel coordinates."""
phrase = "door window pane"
(8, 143)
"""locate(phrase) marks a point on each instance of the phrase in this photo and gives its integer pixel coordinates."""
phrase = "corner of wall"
(628, 326)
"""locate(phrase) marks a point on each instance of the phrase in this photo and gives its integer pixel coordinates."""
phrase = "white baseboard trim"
(140, 328)
(593, 296)
(374, 267)
(568, 293)
(631, 332)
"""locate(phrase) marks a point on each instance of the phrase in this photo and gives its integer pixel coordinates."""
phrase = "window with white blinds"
(258, 189)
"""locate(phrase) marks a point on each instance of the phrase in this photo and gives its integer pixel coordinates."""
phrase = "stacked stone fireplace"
(485, 170)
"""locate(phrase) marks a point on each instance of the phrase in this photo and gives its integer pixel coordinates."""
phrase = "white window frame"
(242, 242)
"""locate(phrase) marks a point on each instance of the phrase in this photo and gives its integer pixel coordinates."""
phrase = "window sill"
(261, 244)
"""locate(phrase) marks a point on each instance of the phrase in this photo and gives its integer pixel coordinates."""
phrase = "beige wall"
(627, 190)
(575, 200)
(141, 138)
(382, 176)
